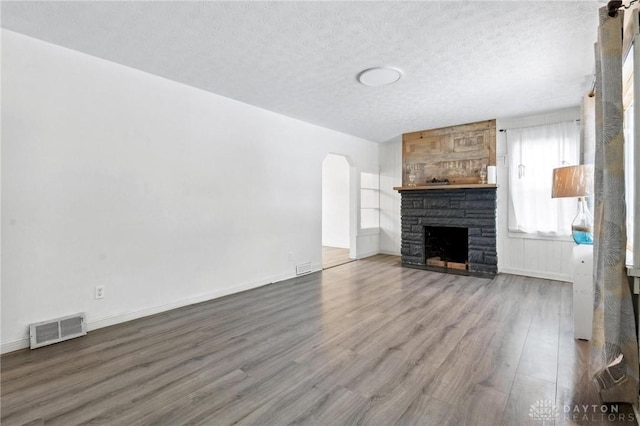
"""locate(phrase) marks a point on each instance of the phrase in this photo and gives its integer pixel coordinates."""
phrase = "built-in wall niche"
(455, 154)
(369, 200)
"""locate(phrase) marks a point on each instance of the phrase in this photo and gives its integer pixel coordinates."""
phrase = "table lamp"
(576, 181)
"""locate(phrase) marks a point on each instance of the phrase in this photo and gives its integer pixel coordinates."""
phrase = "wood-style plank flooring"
(368, 342)
(334, 256)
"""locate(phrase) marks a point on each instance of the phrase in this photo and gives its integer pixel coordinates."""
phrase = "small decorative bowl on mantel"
(437, 182)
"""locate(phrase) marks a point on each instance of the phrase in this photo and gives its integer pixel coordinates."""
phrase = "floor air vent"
(57, 330)
(304, 268)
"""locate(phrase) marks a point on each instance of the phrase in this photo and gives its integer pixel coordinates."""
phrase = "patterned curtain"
(614, 345)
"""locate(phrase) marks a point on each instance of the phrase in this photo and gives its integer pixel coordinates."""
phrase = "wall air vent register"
(57, 330)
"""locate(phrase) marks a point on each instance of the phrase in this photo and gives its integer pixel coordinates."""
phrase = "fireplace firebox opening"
(447, 246)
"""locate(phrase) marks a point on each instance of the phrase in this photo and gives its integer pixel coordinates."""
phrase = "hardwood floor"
(334, 256)
(368, 342)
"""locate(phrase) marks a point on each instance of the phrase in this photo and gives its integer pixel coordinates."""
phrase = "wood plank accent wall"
(455, 153)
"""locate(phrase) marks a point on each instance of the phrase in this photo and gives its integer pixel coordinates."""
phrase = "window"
(369, 200)
(629, 136)
(533, 154)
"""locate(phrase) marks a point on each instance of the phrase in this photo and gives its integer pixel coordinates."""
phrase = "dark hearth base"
(450, 271)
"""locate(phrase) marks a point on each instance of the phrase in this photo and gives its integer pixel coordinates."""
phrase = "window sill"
(527, 236)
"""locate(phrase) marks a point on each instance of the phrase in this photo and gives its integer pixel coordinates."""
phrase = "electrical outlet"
(290, 256)
(99, 292)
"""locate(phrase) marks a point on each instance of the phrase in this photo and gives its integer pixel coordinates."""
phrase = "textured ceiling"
(462, 61)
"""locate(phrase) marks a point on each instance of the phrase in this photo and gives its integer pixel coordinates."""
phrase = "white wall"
(335, 201)
(164, 193)
(530, 257)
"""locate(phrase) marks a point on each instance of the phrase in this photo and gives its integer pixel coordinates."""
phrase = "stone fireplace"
(436, 220)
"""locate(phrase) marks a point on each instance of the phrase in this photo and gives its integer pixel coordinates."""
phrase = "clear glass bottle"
(483, 174)
(582, 225)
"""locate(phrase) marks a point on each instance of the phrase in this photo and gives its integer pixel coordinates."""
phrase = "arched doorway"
(336, 211)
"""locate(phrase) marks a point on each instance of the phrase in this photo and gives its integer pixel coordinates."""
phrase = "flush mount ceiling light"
(379, 76)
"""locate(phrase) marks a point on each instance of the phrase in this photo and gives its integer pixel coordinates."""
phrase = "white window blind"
(533, 154)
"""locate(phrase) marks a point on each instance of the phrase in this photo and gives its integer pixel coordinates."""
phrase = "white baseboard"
(390, 252)
(117, 319)
(367, 254)
(95, 324)
(15, 345)
(335, 244)
(536, 274)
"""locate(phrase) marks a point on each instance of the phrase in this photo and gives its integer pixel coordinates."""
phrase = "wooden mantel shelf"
(454, 186)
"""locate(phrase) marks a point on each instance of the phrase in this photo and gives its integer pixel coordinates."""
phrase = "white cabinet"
(582, 291)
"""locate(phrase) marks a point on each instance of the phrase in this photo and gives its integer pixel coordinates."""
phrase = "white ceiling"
(462, 61)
